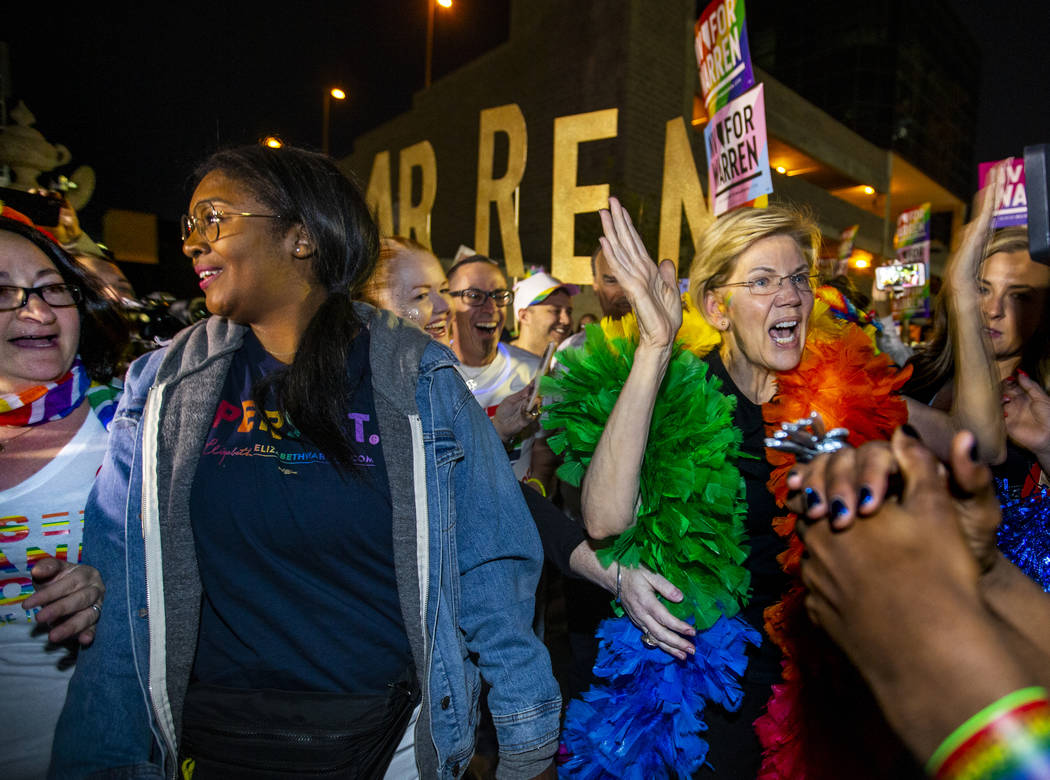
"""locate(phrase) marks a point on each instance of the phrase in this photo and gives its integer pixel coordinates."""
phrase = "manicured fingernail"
(973, 452)
(865, 495)
(1022, 372)
(838, 508)
(812, 498)
(908, 430)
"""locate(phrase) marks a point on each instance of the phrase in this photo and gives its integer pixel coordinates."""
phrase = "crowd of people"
(305, 536)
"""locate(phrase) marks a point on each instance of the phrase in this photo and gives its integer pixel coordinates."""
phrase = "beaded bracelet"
(1009, 738)
(617, 582)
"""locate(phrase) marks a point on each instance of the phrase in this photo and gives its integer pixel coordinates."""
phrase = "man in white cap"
(543, 308)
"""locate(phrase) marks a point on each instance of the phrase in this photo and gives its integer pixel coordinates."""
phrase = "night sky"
(142, 95)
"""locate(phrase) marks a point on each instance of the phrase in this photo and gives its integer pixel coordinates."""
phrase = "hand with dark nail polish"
(864, 495)
(812, 498)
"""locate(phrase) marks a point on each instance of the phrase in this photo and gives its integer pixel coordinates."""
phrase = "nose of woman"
(440, 302)
(993, 306)
(788, 294)
(37, 309)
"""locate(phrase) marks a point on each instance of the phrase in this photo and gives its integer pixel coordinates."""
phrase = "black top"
(735, 749)
(296, 558)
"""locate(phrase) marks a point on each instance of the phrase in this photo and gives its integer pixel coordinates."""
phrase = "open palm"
(652, 290)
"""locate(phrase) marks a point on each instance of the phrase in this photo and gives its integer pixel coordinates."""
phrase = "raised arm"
(976, 404)
(610, 489)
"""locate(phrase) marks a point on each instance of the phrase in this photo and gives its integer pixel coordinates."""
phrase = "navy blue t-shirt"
(296, 558)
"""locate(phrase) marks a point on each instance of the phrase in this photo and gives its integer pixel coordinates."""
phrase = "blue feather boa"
(646, 719)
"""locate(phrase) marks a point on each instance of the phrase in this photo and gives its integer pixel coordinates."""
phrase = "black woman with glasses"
(751, 293)
(314, 548)
(60, 342)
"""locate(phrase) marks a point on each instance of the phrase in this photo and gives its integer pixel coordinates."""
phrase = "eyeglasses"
(56, 295)
(207, 217)
(475, 297)
(770, 285)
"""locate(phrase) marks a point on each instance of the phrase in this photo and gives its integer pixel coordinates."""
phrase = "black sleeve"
(558, 533)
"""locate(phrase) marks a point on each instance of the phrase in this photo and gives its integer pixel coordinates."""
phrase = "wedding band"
(97, 608)
(648, 640)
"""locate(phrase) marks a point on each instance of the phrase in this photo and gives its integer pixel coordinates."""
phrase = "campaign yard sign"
(1012, 208)
(722, 54)
(738, 152)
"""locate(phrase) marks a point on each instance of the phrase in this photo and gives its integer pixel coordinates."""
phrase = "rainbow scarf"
(54, 400)
(47, 402)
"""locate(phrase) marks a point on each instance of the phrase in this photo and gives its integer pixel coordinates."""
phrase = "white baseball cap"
(536, 289)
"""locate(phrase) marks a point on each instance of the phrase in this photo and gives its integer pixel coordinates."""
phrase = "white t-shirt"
(42, 515)
(511, 370)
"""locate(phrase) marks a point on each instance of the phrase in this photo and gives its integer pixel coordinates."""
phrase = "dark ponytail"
(307, 189)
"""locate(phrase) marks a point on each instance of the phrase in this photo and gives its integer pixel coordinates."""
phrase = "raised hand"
(965, 262)
(652, 291)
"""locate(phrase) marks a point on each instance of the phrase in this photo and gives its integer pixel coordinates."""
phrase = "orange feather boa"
(820, 717)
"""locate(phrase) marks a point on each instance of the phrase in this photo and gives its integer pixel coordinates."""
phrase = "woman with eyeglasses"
(61, 341)
(752, 282)
(314, 538)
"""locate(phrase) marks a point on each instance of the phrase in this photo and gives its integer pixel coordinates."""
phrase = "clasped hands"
(887, 525)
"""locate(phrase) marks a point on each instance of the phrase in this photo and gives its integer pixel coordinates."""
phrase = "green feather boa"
(690, 523)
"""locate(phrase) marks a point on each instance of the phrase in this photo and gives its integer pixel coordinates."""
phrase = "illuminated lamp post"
(430, 36)
(326, 111)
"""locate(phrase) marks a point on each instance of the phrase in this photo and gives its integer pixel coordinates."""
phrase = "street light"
(430, 36)
(273, 142)
(338, 94)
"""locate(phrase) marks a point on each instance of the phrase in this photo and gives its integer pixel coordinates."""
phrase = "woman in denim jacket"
(198, 628)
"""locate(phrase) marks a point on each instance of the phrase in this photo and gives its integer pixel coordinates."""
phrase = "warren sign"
(681, 190)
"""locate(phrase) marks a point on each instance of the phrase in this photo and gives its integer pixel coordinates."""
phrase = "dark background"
(143, 93)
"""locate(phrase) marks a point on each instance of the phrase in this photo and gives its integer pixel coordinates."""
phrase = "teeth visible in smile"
(784, 332)
(486, 325)
(207, 274)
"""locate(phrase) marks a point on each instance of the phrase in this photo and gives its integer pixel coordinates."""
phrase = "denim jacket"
(466, 553)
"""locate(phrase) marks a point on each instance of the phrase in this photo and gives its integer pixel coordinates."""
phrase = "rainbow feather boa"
(645, 719)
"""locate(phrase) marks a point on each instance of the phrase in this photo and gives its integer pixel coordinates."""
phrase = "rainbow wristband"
(1007, 740)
